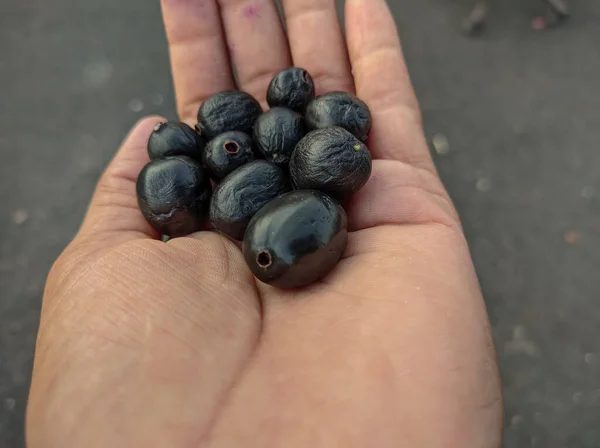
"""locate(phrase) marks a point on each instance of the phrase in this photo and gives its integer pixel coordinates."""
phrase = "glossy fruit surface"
(277, 132)
(244, 192)
(292, 88)
(226, 153)
(340, 109)
(174, 139)
(173, 194)
(296, 239)
(231, 110)
(331, 160)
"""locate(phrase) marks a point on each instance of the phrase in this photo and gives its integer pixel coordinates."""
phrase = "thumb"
(113, 212)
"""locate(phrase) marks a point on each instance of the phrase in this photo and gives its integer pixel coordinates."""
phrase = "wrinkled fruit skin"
(231, 110)
(277, 132)
(296, 239)
(243, 193)
(340, 109)
(331, 160)
(292, 88)
(173, 195)
(226, 153)
(175, 139)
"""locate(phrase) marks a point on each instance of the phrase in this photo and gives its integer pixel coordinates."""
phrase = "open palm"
(144, 343)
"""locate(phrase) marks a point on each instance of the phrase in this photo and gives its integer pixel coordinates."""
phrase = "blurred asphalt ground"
(515, 116)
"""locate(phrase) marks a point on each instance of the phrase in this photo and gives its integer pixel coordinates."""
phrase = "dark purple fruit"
(331, 160)
(340, 109)
(296, 239)
(292, 88)
(174, 139)
(231, 110)
(226, 153)
(277, 132)
(173, 194)
(244, 192)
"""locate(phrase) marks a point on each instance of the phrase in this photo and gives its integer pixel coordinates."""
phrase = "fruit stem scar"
(231, 147)
(357, 147)
(158, 126)
(264, 259)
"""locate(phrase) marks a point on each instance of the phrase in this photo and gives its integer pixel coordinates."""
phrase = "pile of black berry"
(279, 175)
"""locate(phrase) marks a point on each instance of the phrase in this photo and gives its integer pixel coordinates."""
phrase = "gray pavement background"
(518, 108)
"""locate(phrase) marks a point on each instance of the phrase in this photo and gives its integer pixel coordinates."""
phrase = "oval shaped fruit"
(231, 110)
(277, 132)
(340, 109)
(226, 153)
(331, 160)
(244, 192)
(292, 88)
(296, 239)
(174, 139)
(173, 194)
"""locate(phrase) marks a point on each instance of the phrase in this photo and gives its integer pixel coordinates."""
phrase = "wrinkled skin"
(292, 88)
(151, 344)
(175, 139)
(230, 110)
(173, 195)
(331, 160)
(227, 152)
(277, 132)
(243, 193)
(341, 109)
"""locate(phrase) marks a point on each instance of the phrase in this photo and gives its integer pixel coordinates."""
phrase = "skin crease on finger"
(143, 343)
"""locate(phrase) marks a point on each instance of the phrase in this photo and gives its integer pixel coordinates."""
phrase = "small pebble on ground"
(483, 185)
(136, 105)
(572, 237)
(20, 216)
(440, 144)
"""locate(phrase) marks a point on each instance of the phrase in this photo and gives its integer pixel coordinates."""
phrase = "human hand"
(144, 343)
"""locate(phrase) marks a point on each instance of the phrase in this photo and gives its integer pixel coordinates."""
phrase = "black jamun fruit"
(277, 132)
(231, 110)
(173, 194)
(226, 153)
(340, 109)
(174, 139)
(244, 192)
(296, 239)
(331, 160)
(292, 88)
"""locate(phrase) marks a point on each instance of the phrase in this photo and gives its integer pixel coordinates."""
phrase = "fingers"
(199, 58)
(257, 44)
(114, 209)
(317, 43)
(383, 82)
